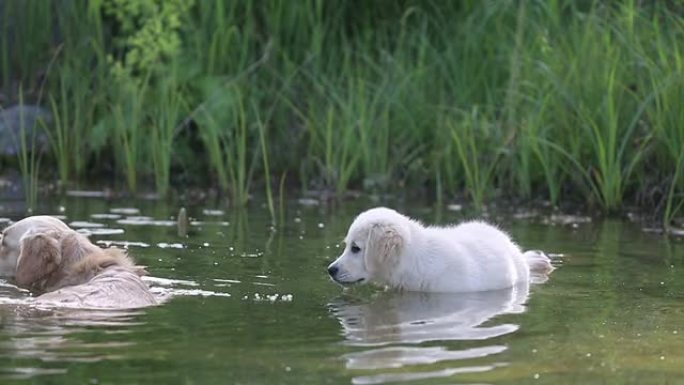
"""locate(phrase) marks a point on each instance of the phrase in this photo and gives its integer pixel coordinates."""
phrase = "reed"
(164, 121)
(560, 100)
(228, 136)
(28, 155)
(261, 127)
(473, 129)
(128, 113)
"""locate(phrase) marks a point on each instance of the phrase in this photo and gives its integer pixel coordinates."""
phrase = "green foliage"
(559, 100)
(149, 34)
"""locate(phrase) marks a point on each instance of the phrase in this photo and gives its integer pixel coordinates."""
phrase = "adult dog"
(390, 249)
(65, 269)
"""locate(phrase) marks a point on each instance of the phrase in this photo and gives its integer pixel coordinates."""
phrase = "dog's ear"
(39, 255)
(383, 246)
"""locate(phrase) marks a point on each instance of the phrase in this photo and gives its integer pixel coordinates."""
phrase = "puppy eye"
(355, 249)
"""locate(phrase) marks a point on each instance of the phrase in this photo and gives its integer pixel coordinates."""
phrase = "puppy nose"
(332, 270)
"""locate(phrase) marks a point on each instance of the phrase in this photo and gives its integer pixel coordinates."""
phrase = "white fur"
(402, 253)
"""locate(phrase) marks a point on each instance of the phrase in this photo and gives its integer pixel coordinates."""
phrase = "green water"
(611, 313)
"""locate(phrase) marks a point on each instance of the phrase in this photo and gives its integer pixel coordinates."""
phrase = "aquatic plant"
(560, 100)
(28, 153)
(165, 121)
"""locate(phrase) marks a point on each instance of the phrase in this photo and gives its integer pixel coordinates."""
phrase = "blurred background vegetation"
(555, 100)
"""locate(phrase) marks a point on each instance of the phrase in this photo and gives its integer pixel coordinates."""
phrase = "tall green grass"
(164, 125)
(228, 136)
(666, 78)
(28, 155)
(566, 101)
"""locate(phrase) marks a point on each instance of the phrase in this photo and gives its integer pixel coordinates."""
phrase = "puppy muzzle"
(341, 277)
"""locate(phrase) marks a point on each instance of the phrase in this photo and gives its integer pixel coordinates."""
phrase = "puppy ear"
(39, 255)
(383, 246)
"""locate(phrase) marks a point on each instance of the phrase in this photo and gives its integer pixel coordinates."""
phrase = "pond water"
(255, 306)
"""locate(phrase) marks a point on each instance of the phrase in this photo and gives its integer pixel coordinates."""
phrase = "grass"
(164, 119)
(29, 160)
(126, 120)
(478, 167)
(228, 135)
(567, 101)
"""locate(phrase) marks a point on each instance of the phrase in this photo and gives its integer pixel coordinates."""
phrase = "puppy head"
(40, 256)
(10, 239)
(374, 244)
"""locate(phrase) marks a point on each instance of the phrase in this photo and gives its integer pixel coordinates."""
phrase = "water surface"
(253, 305)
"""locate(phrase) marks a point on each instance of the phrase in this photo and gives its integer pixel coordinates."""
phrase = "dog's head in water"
(12, 236)
(374, 244)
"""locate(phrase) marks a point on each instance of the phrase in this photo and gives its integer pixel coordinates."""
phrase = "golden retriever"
(390, 249)
(64, 268)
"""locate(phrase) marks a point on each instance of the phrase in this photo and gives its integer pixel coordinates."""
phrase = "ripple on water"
(215, 213)
(168, 282)
(400, 356)
(145, 221)
(85, 224)
(164, 245)
(54, 335)
(23, 373)
(124, 244)
(101, 231)
(414, 376)
(165, 289)
(385, 324)
(209, 223)
(125, 210)
(105, 216)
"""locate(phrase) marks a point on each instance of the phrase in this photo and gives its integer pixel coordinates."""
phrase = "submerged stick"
(182, 222)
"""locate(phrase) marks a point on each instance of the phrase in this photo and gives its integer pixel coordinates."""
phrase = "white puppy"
(390, 249)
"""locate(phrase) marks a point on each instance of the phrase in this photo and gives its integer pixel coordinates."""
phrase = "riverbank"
(560, 101)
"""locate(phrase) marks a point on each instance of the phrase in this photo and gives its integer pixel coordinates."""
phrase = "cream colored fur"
(49, 256)
(390, 249)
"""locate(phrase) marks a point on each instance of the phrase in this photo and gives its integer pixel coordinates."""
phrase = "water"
(254, 306)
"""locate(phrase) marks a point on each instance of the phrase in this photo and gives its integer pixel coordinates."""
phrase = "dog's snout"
(332, 270)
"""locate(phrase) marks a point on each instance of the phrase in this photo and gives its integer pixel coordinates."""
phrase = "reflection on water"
(49, 337)
(391, 321)
(253, 305)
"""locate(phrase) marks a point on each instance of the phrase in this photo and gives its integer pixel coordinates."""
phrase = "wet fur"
(390, 249)
(52, 256)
